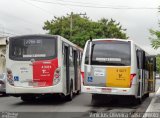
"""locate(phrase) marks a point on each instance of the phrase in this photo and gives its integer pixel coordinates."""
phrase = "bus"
(117, 67)
(2, 65)
(39, 65)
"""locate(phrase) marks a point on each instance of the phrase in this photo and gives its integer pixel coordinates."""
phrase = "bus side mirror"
(140, 59)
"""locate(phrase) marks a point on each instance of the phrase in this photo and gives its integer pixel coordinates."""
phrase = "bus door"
(66, 59)
(141, 69)
(75, 68)
(152, 71)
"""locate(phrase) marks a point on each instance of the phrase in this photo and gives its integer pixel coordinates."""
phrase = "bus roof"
(76, 46)
(114, 39)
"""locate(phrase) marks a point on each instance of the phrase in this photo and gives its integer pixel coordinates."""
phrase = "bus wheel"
(94, 99)
(147, 95)
(70, 96)
(78, 92)
(28, 98)
(139, 100)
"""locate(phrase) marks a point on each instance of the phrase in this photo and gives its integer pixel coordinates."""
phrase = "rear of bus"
(32, 65)
(112, 67)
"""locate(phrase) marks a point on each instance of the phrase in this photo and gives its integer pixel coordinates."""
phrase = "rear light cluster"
(1, 82)
(10, 77)
(57, 78)
(82, 74)
(131, 78)
(2, 78)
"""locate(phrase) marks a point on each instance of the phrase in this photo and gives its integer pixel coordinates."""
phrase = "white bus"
(42, 64)
(2, 65)
(117, 67)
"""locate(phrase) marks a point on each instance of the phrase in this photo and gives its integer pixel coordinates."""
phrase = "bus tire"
(94, 99)
(138, 100)
(28, 98)
(147, 95)
(70, 96)
(78, 92)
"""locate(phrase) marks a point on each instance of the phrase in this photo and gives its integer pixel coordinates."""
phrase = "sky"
(19, 17)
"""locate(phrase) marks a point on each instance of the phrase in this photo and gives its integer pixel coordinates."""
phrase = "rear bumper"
(34, 90)
(109, 90)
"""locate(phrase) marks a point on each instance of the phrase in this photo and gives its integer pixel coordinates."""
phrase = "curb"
(151, 109)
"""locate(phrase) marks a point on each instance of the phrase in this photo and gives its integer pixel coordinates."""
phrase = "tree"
(83, 28)
(155, 42)
(158, 63)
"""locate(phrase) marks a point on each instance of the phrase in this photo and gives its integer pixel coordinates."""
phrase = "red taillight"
(1, 82)
(57, 77)
(57, 73)
(131, 78)
(82, 73)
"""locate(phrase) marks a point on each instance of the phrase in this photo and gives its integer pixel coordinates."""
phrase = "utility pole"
(71, 21)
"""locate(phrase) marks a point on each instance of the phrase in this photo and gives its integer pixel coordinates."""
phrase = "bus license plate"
(106, 90)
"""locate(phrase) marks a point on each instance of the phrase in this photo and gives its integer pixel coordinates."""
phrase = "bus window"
(63, 47)
(110, 53)
(71, 51)
(27, 48)
(141, 59)
(87, 55)
(138, 61)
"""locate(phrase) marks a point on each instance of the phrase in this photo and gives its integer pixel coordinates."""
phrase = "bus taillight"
(56, 79)
(131, 78)
(10, 77)
(82, 74)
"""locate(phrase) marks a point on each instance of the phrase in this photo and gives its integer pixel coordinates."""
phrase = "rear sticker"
(118, 77)
(16, 78)
(99, 72)
(90, 79)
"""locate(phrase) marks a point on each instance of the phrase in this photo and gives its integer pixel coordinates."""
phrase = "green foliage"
(155, 40)
(83, 28)
(158, 63)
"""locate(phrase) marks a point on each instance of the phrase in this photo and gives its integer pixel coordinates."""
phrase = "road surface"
(80, 106)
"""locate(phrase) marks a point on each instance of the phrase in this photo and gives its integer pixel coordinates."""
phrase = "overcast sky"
(28, 16)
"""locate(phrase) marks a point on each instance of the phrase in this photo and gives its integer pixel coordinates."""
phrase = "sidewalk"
(154, 105)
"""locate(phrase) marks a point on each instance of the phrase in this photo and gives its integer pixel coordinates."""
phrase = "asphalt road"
(80, 106)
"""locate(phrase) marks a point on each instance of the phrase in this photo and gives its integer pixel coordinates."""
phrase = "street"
(80, 106)
(81, 103)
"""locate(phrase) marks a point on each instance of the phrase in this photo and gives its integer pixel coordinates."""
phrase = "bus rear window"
(111, 53)
(32, 47)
